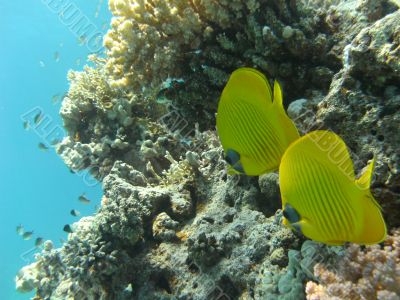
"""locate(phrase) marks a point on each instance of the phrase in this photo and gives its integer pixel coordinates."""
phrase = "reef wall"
(173, 224)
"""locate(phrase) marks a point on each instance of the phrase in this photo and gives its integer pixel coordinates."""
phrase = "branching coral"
(370, 273)
(201, 42)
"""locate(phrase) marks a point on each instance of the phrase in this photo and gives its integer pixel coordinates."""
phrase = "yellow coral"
(147, 39)
(90, 87)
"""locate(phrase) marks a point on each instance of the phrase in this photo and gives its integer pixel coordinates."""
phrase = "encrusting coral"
(369, 273)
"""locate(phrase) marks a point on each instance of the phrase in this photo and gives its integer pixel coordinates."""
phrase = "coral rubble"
(370, 273)
(172, 224)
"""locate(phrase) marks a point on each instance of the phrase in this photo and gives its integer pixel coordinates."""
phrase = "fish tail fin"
(231, 171)
(364, 182)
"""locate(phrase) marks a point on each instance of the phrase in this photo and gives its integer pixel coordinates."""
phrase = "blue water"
(37, 189)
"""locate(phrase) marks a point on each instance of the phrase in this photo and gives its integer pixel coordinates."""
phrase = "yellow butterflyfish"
(252, 124)
(321, 197)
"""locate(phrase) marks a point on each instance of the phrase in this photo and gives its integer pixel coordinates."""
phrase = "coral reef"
(370, 273)
(288, 283)
(162, 248)
(85, 267)
(197, 44)
(172, 223)
(363, 106)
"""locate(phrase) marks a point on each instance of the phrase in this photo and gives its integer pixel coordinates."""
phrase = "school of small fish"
(37, 119)
(39, 241)
(321, 197)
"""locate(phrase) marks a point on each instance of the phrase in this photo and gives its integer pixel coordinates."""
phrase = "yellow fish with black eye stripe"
(252, 124)
(321, 196)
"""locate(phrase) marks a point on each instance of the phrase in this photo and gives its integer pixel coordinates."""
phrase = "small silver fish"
(67, 228)
(55, 142)
(82, 198)
(38, 117)
(43, 147)
(20, 229)
(42, 64)
(75, 212)
(78, 62)
(55, 98)
(99, 5)
(26, 125)
(57, 56)
(38, 242)
(27, 235)
(82, 40)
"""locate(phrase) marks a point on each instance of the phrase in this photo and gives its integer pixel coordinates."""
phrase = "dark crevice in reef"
(369, 84)
(224, 289)
(161, 282)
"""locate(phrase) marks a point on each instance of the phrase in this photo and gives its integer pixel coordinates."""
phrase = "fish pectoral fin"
(232, 171)
(299, 226)
(293, 219)
(254, 168)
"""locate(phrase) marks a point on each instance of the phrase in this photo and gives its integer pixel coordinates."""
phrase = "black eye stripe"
(228, 160)
(232, 156)
(291, 214)
(285, 214)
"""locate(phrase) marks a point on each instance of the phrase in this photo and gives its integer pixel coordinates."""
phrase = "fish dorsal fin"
(278, 95)
(329, 149)
(364, 181)
(287, 127)
(249, 85)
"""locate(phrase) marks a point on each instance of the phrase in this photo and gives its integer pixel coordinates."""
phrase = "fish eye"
(228, 160)
(291, 214)
(232, 157)
(285, 214)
